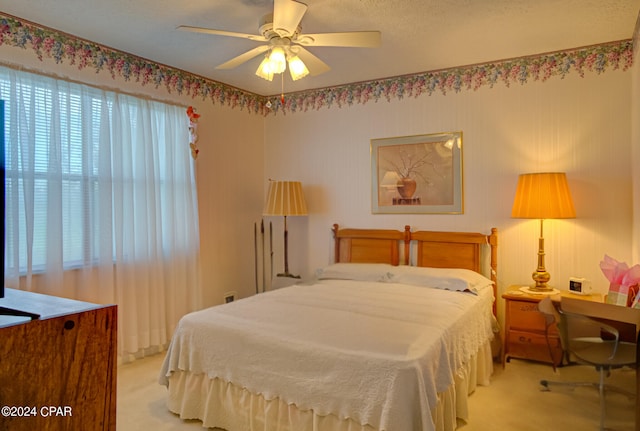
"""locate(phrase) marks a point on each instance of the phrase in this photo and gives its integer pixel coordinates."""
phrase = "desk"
(614, 313)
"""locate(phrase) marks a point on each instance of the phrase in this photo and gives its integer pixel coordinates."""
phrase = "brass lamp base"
(540, 290)
(541, 277)
(531, 290)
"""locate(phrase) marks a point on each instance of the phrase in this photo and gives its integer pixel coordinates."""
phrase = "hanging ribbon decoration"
(193, 131)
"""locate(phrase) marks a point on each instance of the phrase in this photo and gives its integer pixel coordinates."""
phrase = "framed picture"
(419, 174)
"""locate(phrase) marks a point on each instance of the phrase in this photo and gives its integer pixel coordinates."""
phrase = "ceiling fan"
(285, 44)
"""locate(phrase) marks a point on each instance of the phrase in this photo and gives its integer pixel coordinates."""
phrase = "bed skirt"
(223, 405)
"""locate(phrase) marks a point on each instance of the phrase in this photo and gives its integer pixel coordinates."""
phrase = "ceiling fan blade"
(237, 61)
(358, 39)
(253, 37)
(287, 15)
(313, 63)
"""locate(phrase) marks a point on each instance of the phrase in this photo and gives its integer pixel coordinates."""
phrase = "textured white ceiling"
(417, 35)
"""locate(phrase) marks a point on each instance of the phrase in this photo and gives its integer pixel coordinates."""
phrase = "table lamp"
(542, 196)
(285, 198)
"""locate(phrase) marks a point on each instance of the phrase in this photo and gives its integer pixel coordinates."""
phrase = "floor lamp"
(285, 198)
(542, 196)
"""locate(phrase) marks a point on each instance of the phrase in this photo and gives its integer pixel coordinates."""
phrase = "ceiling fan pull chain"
(282, 91)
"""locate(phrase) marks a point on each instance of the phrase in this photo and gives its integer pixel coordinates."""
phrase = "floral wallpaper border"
(596, 58)
(61, 47)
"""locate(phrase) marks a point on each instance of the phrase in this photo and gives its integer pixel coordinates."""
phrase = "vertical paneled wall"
(577, 125)
(230, 195)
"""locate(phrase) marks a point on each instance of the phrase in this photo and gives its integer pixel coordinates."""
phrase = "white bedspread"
(377, 353)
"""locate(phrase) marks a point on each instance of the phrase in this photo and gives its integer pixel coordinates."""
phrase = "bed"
(394, 335)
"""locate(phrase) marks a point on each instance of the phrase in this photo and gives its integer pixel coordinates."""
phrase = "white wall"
(577, 125)
(230, 178)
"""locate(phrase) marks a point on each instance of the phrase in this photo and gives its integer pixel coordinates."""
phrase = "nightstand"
(525, 328)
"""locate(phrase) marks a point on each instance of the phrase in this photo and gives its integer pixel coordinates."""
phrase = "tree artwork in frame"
(419, 174)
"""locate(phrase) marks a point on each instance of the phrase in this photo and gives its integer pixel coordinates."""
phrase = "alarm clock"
(579, 286)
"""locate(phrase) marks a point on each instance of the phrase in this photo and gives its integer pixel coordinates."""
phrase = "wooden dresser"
(57, 372)
(525, 328)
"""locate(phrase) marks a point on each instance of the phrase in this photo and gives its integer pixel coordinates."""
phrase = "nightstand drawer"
(533, 346)
(525, 315)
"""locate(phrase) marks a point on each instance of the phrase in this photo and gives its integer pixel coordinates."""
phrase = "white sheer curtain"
(101, 203)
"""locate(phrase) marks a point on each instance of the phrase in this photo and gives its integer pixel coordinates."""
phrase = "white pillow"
(356, 271)
(442, 278)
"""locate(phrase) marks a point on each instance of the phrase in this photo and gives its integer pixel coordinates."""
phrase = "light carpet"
(513, 401)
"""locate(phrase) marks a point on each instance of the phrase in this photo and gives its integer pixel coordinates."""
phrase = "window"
(76, 157)
(103, 183)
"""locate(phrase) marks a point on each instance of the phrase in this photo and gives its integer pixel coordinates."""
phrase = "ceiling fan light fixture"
(265, 70)
(281, 37)
(297, 68)
(278, 60)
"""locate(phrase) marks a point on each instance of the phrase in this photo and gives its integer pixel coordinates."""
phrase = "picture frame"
(420, 174)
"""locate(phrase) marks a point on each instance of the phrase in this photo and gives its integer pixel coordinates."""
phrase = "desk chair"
(584, 341)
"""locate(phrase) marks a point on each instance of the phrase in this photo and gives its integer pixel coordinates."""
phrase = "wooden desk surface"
(603, 311)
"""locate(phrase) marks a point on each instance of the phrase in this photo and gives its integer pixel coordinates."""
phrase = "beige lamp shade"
(543, 196)
(285, 198)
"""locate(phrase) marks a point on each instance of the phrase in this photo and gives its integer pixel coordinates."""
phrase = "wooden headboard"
(455, 249)
(434, 249)
(371, 245)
